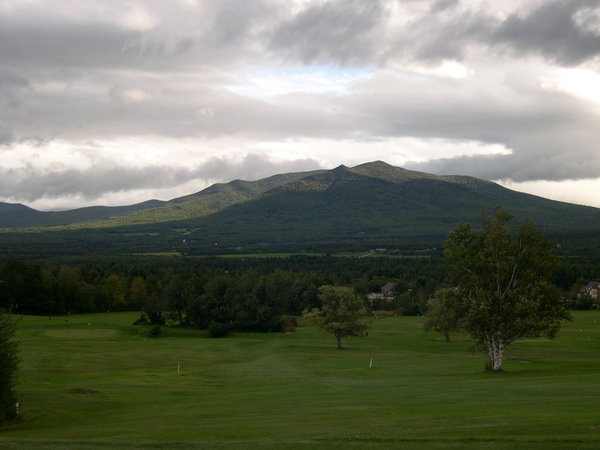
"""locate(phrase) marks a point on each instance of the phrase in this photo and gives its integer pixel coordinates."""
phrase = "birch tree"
(502, 278)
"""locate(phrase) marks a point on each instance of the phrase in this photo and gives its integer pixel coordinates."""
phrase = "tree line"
(245, 293)
(173, 290)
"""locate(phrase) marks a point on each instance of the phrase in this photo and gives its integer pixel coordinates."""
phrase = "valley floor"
(96, 381)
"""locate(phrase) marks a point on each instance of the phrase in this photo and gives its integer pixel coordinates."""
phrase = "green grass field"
(98, 382)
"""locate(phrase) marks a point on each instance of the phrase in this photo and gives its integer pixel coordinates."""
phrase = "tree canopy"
(343, 312)
(9, 361)
(502, 278)
(444, 313)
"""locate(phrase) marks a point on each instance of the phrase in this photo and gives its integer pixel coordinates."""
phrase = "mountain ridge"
(18, 215)
(372, 202)
(213, 198)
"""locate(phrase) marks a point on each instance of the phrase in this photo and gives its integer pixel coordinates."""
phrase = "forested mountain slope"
(370, 204)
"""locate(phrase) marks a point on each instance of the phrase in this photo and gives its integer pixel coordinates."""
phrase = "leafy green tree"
(115, 292)
(212, 304)
(503, 281)
(444, 313)
(253, 308)
(138, 292)
(175, 299)
(9, 361)
(412, 302)
(343, 312)
(217, 329)
(23, 290)
(154, 308)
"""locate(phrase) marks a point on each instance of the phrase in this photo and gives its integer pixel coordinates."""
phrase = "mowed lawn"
(96, 381)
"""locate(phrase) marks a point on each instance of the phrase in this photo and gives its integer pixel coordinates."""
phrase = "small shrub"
(155, 331)
(143, 320)
(218, 329)
(289, 324)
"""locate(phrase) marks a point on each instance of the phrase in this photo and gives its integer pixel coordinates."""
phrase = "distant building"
(592, 289)
(386, 292)
(388, 289)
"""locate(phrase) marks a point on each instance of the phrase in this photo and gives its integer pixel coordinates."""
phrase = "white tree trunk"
(495, 349)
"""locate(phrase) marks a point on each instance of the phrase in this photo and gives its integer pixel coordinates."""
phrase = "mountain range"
(370, 204)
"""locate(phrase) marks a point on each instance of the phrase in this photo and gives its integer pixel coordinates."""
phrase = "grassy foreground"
(95, 381)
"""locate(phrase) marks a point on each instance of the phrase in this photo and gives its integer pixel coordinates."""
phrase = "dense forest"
(240, 293)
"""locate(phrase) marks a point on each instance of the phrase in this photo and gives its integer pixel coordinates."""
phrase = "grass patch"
(96, 381)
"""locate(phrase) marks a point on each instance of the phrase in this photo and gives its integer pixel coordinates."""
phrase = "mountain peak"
(340, 168)
(13, 207)
(375, 165)
(383, 170)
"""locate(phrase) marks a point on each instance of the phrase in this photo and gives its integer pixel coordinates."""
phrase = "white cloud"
(446, 69)
(397, 151)
(579, 82)
(129, 95)
(582, 192)
(588, 19)
(137, 18)
(161, 92)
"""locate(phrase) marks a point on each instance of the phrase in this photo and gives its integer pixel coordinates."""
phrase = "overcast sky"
(115, 102)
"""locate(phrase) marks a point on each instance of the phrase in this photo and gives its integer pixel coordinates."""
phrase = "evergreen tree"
(9, 361)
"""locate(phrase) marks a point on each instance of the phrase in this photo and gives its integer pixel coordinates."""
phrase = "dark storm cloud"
(62, 45)
(91, 35)
(354, 32)
(540, 150)
(441, 34)
(12, 89)
(560, 163)
(180, 66)
(252, 167)
(347, 32)
(175, 105)
(6, 137)
(30, 183)
(442, 5)
(335, 32)
(220, 33)
(551, 136)
(565, 31)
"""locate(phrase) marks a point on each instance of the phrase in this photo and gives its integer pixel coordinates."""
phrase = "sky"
(106, 102)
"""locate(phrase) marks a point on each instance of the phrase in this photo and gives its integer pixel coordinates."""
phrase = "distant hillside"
(15, 215)
(377, 201)
(371, 204)
(208, 201)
